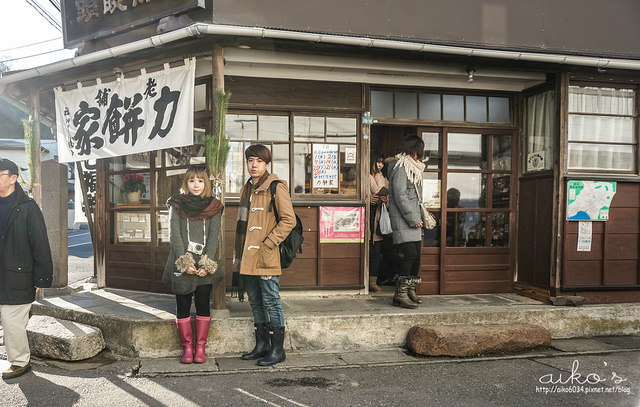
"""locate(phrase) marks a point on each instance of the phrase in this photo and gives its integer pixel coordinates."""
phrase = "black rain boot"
(262, 342)
(401, 298)
(276, 353)
(411, 293)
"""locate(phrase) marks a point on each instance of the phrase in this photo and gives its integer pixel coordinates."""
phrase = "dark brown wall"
(614, 259)
(582, 26)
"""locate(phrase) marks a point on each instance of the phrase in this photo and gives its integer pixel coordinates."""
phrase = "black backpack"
(292, 244)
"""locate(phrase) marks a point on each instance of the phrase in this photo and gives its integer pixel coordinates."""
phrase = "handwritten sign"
(325, 166)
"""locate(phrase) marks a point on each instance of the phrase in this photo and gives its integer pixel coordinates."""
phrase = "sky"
(21, 26)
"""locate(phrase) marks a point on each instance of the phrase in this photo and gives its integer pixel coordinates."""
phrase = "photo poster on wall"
(341, 224)
(325, 166)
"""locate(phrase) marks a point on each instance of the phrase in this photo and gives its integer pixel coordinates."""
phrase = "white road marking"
(289, 400)
(79, 244)
(257, 398)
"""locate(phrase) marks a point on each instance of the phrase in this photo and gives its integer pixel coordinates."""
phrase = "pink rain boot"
(186, 339)
(202, 331)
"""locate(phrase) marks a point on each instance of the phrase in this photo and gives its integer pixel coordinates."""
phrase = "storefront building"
(523, 130)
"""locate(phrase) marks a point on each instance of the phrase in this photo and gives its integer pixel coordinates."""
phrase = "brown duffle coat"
(261, 255)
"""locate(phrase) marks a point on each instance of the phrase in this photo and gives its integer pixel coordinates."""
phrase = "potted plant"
(133, 186)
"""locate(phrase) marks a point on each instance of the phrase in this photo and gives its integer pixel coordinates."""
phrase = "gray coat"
(404, 209)
(183, 283)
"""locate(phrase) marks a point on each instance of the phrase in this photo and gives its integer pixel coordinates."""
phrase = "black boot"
(276, 353)
(262, 343)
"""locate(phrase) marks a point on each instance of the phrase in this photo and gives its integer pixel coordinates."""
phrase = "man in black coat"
(25, 265)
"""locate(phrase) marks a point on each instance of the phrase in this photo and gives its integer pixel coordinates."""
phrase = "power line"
(32, 56)
(29, 45)
(45, 14)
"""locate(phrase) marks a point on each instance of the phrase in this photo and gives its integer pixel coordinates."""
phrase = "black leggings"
(202, 297)
(409, 259)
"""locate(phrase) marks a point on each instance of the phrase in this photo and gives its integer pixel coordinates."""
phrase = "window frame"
(291, 145)
(635, 128)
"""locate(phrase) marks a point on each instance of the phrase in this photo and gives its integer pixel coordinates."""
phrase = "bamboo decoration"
(217, 146)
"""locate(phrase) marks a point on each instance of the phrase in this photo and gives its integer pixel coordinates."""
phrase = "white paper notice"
(584, 236)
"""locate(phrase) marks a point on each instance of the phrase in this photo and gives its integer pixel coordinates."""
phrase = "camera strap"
(204, 233)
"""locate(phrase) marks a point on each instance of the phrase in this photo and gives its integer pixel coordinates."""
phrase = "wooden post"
(101, 229)
(36, 149)
(219, 288)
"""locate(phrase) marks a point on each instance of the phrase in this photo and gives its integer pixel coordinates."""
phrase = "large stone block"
(61, 339)
(468, 340)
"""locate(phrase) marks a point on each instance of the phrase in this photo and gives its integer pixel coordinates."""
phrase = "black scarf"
(237, 282)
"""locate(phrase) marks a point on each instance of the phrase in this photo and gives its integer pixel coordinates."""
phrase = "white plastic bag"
(385, 221)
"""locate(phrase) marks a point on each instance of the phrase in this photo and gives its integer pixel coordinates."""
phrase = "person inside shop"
(194, 225)
(256, 263)
(405, 179)
(379, 187)
(25, 266)
(454, 219)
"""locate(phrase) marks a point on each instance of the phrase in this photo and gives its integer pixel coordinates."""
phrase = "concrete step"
(140, 324)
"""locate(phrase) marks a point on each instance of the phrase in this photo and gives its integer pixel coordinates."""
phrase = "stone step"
(477, 339)
(64, 340)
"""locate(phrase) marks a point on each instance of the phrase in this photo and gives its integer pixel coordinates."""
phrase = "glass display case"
(133, 227)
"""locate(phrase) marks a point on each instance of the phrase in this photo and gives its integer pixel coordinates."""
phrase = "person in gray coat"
(194, 225)
(405, 179)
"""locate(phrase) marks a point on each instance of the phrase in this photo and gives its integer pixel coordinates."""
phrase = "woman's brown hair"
(196, 172)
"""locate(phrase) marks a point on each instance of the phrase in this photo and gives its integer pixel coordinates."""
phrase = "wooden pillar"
(36, 182)
(101, 231)
(219, 288)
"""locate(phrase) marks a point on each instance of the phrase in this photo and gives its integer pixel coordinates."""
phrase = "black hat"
(6, 164)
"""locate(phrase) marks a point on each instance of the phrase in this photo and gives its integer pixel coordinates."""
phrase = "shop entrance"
(468, 185)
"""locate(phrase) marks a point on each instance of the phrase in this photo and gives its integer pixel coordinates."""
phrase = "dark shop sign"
(85, 20)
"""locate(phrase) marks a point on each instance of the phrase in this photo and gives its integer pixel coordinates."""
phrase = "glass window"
(273, 128)
(469, 188)
(302, 168)
(341, 130)
(499, 110)
(466, 229)
(241, 126)
(430, 106)
(501, 191)
(406, 105)
(432, 154)
(200, 97)
(280, 164)
(308, 128)
(476, 109)
(338, 133)
(453, 108)
(381, 103)
(123, 186)
(602, 129)
(467, 151)
(500, 229)
(540, 131)
(501, 152)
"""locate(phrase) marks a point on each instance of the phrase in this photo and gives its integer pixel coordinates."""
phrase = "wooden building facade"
(507, 124)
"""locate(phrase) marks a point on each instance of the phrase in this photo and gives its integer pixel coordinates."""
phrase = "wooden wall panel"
(302, 272)
(614, 258)
(340, 250)
(285, 93)
(583, 273)
(129, 254)
(342, 271)
(622, 272)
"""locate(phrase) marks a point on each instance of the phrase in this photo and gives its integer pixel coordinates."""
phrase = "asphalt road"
(80, 255)
(606, 379)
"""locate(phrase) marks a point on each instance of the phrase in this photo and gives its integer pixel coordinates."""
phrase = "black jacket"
(25, 256)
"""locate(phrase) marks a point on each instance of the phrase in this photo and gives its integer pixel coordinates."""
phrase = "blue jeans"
(264, 297)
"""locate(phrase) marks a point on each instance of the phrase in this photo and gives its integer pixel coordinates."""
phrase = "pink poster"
(341, 224)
